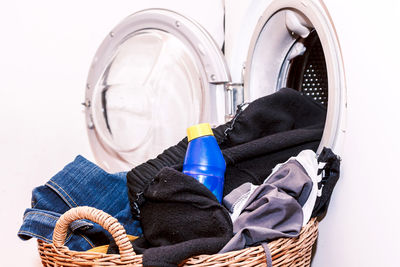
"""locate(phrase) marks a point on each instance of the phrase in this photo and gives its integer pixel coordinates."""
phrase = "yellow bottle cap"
(199, 130)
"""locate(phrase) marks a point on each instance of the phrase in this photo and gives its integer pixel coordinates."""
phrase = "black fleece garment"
(269, 131)
(180, 218)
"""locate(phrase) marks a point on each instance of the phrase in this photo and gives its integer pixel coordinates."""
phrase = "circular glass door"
(152, 77)
(151, 84)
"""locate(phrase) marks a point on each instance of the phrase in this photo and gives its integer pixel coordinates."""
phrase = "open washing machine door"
(154, 75)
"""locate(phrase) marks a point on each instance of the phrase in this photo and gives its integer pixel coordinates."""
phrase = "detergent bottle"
(204, 160)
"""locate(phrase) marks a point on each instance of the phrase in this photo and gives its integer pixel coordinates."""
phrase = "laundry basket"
(284, 251)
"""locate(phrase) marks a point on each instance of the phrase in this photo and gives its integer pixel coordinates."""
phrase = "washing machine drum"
(158, 73)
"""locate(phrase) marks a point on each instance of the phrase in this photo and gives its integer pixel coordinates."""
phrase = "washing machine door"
(154, 75)
(295, 45)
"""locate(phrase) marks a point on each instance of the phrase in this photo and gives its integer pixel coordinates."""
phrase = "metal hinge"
(86, 104)
(233, 97)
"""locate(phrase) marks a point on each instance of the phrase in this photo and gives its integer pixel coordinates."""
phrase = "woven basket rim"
(284, 251)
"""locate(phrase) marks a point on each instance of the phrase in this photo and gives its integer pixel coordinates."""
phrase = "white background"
(45, 52)
(360, 228)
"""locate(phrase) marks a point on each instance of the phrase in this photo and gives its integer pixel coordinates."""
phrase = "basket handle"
(108, 222)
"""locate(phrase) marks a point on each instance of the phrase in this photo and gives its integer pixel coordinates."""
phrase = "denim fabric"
(80, 183)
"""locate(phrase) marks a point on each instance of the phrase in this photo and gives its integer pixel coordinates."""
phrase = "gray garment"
(273, 210)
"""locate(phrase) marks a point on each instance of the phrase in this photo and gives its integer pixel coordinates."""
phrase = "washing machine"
(159, 71)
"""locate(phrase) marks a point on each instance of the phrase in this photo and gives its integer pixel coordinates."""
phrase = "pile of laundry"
(274, 184)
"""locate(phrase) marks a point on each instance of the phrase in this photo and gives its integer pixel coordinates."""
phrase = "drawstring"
(138, 201)
(239, 110)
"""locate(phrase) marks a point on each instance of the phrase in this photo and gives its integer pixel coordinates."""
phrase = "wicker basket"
(284, 251)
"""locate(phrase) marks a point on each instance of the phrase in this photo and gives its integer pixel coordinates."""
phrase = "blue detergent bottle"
(204, 160)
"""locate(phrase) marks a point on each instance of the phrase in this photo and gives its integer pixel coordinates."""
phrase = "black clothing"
(269, 131)
(330, 175)
(180, 218)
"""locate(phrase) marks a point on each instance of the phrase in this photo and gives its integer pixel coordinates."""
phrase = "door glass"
(149, 93)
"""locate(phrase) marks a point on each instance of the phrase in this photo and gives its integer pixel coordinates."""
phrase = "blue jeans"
(80, 183)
